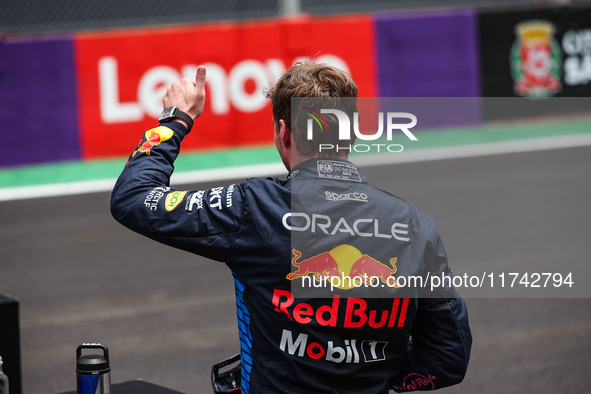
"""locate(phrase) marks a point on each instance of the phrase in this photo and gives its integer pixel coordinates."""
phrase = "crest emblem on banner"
(536, 60)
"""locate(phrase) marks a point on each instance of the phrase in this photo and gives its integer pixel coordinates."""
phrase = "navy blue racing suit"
(323, 221)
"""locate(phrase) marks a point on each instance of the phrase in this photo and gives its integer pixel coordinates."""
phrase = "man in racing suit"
(323, 220)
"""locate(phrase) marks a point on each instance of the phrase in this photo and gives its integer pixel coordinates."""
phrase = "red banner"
(123, 76)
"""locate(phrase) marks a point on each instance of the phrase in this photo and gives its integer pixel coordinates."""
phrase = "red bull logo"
(345, 267)
(357, 311)
(153, 137)
(415, 381)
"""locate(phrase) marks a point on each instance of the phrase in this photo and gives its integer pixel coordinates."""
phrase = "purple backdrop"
(428, 55)
(38, 102)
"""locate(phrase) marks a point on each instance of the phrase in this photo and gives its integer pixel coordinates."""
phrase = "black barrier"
(10, 341)
(535, 54)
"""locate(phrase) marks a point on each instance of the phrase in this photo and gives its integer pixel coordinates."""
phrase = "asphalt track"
(167, 315)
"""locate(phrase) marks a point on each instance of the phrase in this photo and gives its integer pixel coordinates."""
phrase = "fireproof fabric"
(323, 219)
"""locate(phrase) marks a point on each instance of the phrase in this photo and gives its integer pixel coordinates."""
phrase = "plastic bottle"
(3, 380)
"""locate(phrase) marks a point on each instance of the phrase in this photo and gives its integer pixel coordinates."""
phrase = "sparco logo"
(345, 130)
(332, 196)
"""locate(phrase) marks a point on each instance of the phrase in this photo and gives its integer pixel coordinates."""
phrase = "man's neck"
(297, 159)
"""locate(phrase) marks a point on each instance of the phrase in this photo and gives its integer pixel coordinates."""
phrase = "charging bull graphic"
(341, 260)
(320, 265)
(367, 267)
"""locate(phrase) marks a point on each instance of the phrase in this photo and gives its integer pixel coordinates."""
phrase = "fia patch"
(338, 170)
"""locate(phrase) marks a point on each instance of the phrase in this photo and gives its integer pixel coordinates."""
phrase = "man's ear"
(284, 134)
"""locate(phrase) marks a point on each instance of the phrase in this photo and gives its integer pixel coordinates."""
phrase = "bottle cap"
(92, 364)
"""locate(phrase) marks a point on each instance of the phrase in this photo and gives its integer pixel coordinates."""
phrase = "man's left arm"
(441, 337)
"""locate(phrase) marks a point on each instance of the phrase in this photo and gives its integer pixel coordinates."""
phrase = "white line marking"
(474, 150)
(224, 174)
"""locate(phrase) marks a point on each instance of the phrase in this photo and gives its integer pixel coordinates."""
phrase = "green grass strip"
(74, 171)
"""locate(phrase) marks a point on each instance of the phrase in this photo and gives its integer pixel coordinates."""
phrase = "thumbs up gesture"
(187, 94)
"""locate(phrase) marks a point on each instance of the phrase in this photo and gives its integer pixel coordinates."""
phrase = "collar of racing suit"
(328, 168)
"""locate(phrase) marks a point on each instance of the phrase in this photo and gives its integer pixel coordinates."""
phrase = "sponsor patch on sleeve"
(214, 198)
(173, 199)
(152, 138)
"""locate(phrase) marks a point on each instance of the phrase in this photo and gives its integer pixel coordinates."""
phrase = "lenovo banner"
(123, 76)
